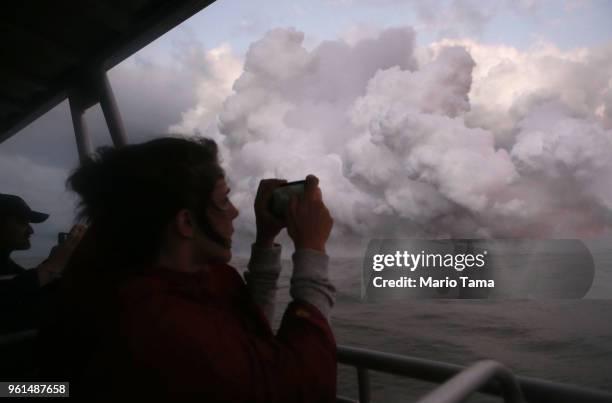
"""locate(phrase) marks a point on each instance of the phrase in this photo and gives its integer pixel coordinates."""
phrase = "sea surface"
(562, 340)
(568, 341)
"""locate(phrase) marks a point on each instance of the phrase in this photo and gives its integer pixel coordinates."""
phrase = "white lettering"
(467, 282)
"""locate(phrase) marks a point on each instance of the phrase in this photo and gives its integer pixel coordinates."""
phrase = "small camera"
(279, 202)
(61, 237)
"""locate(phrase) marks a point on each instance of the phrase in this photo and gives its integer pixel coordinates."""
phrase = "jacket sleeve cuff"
(310, 281)
(265, 259)
(261, 277)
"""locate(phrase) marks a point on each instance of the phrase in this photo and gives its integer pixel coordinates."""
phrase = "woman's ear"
(185, 223)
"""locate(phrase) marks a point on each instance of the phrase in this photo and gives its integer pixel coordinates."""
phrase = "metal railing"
(485, 376)
(458, 382)
(471, 379)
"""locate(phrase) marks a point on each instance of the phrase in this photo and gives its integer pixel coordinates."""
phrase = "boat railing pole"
(363, 380)
(110, 110)
(532, 389)
(77, 111)
(472, 379)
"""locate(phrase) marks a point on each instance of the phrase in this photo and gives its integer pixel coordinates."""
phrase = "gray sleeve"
(310, 280)
(261, 276)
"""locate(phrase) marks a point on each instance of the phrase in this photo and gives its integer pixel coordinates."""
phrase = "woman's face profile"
(221, 216)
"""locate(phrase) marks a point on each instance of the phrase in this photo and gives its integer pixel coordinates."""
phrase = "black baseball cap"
(15, 205)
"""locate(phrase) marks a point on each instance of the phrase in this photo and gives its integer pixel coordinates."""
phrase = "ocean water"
(567, 341)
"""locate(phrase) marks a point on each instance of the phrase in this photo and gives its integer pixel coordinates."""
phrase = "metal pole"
(363, 380)
(471, 379)
(111, 111)
(80, 128)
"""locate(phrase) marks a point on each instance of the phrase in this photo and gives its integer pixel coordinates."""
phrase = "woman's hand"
(309, 222)
(268, 226)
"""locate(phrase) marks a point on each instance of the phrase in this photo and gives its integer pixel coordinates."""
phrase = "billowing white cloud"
(554, 146)
(470, 140)
(508, 84)
(223, 68)
(157, 88)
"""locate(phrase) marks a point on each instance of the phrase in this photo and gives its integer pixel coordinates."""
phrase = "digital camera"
(279, 202)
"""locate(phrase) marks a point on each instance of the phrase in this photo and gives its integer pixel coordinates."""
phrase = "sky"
(428, 119)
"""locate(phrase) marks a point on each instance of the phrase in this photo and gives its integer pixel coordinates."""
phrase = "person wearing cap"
(22, 291)
(15, 230)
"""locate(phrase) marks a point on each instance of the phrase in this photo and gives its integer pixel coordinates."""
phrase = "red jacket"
(200, 337)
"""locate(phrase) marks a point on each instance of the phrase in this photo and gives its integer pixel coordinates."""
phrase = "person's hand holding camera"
(59, 256)
(268, 226)
(308, 220)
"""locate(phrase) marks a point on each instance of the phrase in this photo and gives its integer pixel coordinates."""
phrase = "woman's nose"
(235, 211)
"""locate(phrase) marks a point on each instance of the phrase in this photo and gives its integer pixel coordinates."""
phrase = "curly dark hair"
(129, 195)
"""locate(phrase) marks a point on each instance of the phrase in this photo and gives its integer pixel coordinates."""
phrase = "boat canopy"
(53, 50)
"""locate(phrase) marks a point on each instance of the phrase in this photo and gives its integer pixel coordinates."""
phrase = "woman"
(152, 310)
